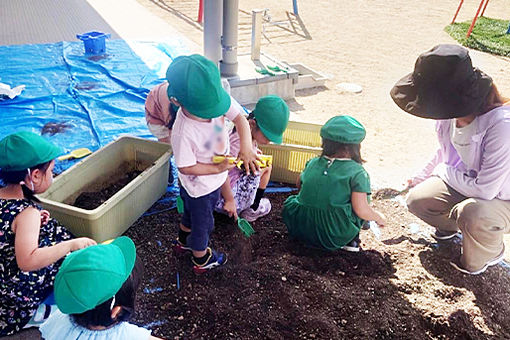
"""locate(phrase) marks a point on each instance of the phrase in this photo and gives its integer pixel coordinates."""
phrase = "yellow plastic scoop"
(265, 160)
(78, 153)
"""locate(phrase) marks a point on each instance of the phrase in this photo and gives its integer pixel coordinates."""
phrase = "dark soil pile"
(92, 200)
(400, 287)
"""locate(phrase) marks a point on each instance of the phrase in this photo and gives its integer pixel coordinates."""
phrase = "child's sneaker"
(214, 260)
(180, 248)
(251, 215)
(353, 246)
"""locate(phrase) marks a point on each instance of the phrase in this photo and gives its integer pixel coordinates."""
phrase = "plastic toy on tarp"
(94, 42)
(78, 153)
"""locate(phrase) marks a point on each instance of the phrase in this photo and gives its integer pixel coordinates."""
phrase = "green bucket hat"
(90, 276)
(272, 116)
(343, 129)
(196, 83)
(25, 149)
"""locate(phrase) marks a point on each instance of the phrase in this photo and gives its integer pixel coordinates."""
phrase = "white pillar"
(256, 33)
(213, 26)
(229, 64)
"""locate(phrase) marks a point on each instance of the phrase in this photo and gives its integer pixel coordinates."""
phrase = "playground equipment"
(220, 19)
(483, 4)
(200, 17)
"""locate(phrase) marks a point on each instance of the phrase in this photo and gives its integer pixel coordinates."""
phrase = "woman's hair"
(493, 100)
(125, 298)
(15, 177)
(331, 148)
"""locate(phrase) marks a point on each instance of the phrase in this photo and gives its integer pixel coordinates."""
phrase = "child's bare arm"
(29, 256)
(364, 211)
(201, 169)
(246, 154)
(228, 196)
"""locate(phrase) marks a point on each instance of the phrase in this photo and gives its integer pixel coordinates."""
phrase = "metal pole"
(457, 12)
(229, 64)
(256, 33)
(200, 11)
(294, 7)
(474, 19)
(484, 7)
(213, 24)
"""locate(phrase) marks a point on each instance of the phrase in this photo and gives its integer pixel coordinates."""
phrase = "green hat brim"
(53, 152)
(213, 111)
(46, 154)
(128, 249)
(275, 138)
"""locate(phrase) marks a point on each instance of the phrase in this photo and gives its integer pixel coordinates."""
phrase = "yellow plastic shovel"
(265, 160)
(78, 153)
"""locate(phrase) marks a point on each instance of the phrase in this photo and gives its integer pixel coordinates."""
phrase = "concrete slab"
(49, 21)
(249, 85)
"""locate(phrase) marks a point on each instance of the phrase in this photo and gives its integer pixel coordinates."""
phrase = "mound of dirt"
(399, 287)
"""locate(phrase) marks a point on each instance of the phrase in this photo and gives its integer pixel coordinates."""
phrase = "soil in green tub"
(92, 199)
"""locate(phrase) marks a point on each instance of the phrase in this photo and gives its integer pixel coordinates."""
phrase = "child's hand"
(45, 216)
(250, 161)
(81, 242)
(230, 208)
(225, 165)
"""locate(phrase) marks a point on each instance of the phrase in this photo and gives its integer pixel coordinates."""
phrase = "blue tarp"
(100, 97)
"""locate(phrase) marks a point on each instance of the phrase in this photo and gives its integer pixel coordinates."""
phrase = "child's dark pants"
(198, 216)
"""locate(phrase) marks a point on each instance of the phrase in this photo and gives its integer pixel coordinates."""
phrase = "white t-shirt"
(195, 142)
(60, 326)
(462, 140)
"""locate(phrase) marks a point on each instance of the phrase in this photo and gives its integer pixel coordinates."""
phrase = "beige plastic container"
(304, 134)
(301, 142)
(97, 171)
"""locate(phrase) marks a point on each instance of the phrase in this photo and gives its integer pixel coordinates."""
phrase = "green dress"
(321, 214)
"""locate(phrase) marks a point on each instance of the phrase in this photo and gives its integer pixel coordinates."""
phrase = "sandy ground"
(372, 43)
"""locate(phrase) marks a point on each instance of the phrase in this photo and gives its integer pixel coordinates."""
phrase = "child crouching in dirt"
(242, 193)
(198, 135)
(95, 291)
(332, 202)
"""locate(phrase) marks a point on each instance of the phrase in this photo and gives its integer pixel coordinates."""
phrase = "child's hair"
(15, 177)
(251, 115)
(331, 148)
(125, 298)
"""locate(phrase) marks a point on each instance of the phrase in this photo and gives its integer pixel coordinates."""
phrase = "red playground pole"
(200, 11)
(458, 9)
(484, 7)
(475, 18)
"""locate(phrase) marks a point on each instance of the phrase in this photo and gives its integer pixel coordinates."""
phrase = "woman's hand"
(230, 208)
(81, 242)
(381, 219)
(45, 217)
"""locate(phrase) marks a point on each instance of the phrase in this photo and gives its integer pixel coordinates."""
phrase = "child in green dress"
(332, 203)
